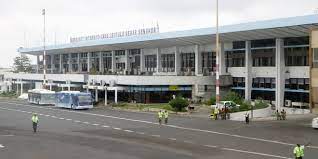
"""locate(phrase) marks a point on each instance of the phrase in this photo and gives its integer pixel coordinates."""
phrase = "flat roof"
(276, 28)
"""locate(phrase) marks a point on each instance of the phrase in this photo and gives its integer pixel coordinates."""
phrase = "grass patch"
(8, 94)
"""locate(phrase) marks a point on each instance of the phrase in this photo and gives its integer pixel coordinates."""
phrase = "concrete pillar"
(52, 64)
(142, 60)
(96, 95)
(105, 96)
(37, 63)
(70, 69)
(113, 62)
(61, 66)
(69, 87)
(177, 60)
(62, 88)
(127, 61)
(21, 88)
(158, 60)
(88, 62)
(116, 95)
(51, 87)
(248, 71)
(280, 74)
(101, 67)
(222, 68)
(78, 63)
(198, 64)
(17, 88)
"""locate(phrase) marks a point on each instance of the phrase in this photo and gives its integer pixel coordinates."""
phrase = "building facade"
(266, 59)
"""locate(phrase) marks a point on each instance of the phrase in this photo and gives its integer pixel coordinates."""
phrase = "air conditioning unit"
(288, 103)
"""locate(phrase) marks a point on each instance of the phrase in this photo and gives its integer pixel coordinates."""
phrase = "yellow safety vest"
(35, 119)
(299, 151)
(166, 114)
(160, 114)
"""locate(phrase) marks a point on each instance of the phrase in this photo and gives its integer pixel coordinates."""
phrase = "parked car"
(314, 123)
(228, 104)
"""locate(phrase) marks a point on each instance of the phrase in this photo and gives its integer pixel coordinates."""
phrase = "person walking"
(278, 115)
(35, 121)
(216, 113)
(166, 114)
(160, 115)
(283, 114)
(299, 151)
(247, 118)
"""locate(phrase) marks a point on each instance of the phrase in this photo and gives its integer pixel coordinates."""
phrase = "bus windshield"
(84, 100)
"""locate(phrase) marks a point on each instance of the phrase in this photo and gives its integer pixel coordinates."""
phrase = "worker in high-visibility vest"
(166, 114)
(160, 116)
(299, 151)
(35, 121)
(216, 113)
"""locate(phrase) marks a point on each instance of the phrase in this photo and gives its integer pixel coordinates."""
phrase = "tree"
(178, 103)
(22, 64)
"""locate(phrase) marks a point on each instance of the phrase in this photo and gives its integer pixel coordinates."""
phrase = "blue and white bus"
(74, 100)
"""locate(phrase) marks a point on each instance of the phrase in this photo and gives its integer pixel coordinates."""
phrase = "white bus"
(41, 97)
(74, 100)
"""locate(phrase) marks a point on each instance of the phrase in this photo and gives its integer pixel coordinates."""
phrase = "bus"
(41, 97)
(74, 100)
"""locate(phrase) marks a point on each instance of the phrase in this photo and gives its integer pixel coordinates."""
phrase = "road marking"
(77, 121)
(68, 119)
(105, 126)
(189, 142)
(174, 139)
(130, 131)
(211, 146)
(255, 153)
(86, 122)
(155, 135)
(154, 123)
(117, 128)
(40, 114)
(61, 118)
(7, 135)
(1, 146)
(47, 115)
(53, 116)
(141, 133)
(96, 124)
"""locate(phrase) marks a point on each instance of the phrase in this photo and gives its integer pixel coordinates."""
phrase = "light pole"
(44, 53)
(217, 82)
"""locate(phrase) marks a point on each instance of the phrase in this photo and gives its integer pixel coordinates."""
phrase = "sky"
(21, 21)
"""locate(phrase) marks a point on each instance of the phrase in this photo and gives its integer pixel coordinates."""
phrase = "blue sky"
(21, 20)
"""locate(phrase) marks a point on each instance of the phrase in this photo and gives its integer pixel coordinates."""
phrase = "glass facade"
(208, 60)
(187, 63)
(150, 63)
(167, 62)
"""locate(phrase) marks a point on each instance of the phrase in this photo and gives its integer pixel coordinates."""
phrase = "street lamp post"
(44, 52)
(217, 82)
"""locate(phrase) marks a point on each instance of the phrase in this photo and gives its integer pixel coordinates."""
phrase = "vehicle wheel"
(72, 106)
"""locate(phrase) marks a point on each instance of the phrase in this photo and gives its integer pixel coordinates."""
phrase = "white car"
(314, 123)
(228, 104)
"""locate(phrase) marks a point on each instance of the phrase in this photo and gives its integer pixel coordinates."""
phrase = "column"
(177, 60)
(78, 62)
(70, 63)
(61, 67)
(21, 88)
(50, 86)
(88, 62)
(280, 74)
(248, 71)
(52, 64)
(101, 67)
(158, 60)
(222, 69)
(37, 65)
(198, 58)
(17, 87)
(113, 62)
(116, 95)
(127, 61)
(142, 60)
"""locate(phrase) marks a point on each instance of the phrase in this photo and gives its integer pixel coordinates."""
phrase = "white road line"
(255, 153)
(130, 131)
(40, 114)
(105, 126)
(86, 122)
(1, 146)
(189, 142)
(211, 146)
(171, 126)
(68, 119)
(77, 121)
(141, 133)
(53, 116)
(117, 128)
(61, 118)
(174, 139)
(7, 135)
(47, 115)
(155, 135)
(96, 124)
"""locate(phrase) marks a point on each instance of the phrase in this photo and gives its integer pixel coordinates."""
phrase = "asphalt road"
(104, 133)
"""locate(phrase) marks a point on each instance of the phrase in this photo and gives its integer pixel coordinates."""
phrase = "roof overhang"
(277, 28)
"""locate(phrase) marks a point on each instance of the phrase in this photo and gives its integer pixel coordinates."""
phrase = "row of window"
(271, 42)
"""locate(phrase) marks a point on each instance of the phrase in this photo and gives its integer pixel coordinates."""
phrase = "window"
(120, 53)
(315, 57)
(296, 56)
(187, 62)
(263, 43)
(296, 41)
(260, 82)
(238, 44)
(263, 57)
(150, 63)
(238, 81)
(208, 62)
(168, 62)
(120, 66)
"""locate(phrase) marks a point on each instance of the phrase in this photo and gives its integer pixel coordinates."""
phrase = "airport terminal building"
(265, 59)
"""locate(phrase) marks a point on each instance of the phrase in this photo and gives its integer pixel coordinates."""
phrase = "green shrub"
(211, 101)
(259, 104)
(179, 103)
(232, 96)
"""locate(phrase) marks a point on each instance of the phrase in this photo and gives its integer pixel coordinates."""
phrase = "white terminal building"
(265, 59)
